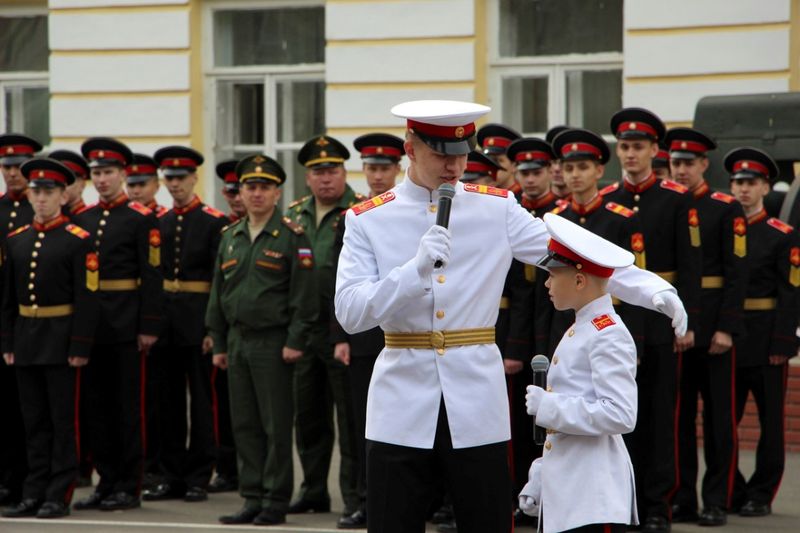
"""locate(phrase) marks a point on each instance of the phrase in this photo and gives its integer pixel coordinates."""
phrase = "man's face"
(143, 192)
(108, 181)
(15, 181)
(662, 173)
(636, 155)
(431, 169)
(47, 202)
(181, 188)
(506, 164)
(749, 192)
(260, 198)
(688, 172)
(381, 178)
(582, 176)
(556, 173)
(235, 203)
(327, 184)
(534, 182)
(75, 191)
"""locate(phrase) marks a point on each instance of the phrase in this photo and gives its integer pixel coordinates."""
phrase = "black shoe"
(53, 510)
(196, 494)
(656, 524)
(521, 519)
(683, 513)
(245, 515)
(305, 506)
(447, 527)
(753, 508)
(269, 517)
(164, 491)
(120, 501)
(713, 516)
(92, 501)
(357, 520)
(444, 514)
(152, 480)
(223, 484)
(25, 508)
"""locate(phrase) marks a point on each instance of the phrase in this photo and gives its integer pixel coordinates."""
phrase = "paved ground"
(174, 517)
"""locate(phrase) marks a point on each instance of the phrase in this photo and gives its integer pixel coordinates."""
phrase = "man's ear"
(409, 148)
(580, 281)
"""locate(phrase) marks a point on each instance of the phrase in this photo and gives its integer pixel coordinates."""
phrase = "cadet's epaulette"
(295, 227)
(673, 186)
(722, 197)
(90, 206)
(557, 210)
(19, 230)
(358, 198)
(161, 211)
(298, 202)
(603, 321)
(77, 231)
(780, 225)
(609, 188)
(619, 209)
(486, 189)
(372, 203)
(216, 213)
(83, 209)
(139, 208)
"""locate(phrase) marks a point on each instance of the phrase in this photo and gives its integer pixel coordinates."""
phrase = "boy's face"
(582, 176)
(562, 285)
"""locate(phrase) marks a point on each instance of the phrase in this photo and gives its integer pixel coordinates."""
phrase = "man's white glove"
(434, 246)
(668, 303)
(533, 398)
(531, 493)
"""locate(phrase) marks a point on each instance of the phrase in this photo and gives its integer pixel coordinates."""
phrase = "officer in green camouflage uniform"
(260, 312)
(321, 381)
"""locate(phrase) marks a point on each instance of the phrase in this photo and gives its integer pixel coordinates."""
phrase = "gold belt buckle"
(437, 341)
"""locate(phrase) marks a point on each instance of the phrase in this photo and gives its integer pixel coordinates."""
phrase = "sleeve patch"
(794, 256)
(77, 231)
(372, 203)
(780, 225)
(603, 321)
(673, 186)
(305, 257)
(19, 230)
(139, 208)
(637, 242)
(216, 213)
(722, 197)
(609, 189)
(619, 209)
(486, 189)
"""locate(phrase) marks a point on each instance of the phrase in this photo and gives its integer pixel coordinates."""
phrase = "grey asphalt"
(177, 516)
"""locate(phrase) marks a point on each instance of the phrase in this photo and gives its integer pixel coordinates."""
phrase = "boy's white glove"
(530, 497)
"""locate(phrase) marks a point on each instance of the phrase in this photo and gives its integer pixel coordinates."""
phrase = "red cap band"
(48, 175)
(141, 170)
(502, 142)
(688, 146)
(585, 265)
(637, 126)
(662, 154)
(750, 165)
(12, 149)
(388, 151)
(179, 162)
(231, 177)
(532, 156)
(580, 147)
(107, 154)
(74, 167)
(442, 132)
(481, 168)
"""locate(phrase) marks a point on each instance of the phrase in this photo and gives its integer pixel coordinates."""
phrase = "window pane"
(525, 104)
(240, 113)
(23, 43)
(592, 97)
(555, 27)
(28, 112)
(269, 36)
(301, 110)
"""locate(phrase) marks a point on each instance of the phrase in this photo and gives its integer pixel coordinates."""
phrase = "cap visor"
(493, 150)
(142, 178)
(176, 172)
(679, 154)
(98, 163)
(377, 160)
(13, 160)
(462, 147)
(745, 175)
(551, 261)
(530, 165)
(635, 134)
(45, 184)
(231, 187)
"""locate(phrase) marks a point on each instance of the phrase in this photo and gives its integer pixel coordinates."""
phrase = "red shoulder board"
(673, 186)
(372, 203)
(83, 209)
(722, 197)
(486, 189)
(77, 231)
(161, 211)
(90, 206)
(559, 209)
(780, 225)
(603, 321)
(139, 208)
(19, 230)
(609, 188)
(562, 202)
(619, 209)
(216, 213)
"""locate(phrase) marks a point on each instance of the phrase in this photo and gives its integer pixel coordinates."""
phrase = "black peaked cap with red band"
(688, 143)
(44, 172)
(72, 160)
(661, 160)
(637, 123)
(553, 132)
(576, 144)
(530, 153)
(380, 148)
(142, 168)
(106, 152)
(16, 148)
(494, 139)
(226, 171)
(478, 166)
(178, 160)
(750, 163)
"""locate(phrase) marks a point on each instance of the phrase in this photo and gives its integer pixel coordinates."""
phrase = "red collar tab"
(641, 187)
(545, 199)
(502, 142)
(593, 205)
(687, 146)
(442, 132)
(191, 206)
(388, 151)
(580, 147)
(581, 263)
(14, 149)
(183, 162)
(701, 190)
(107, 154)
(758, 217)
(52, 224)
(122, 199)
(637, 126)
(753, 166)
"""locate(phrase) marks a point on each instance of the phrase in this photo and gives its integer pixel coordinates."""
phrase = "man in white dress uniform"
(591, 397)
(437, 406)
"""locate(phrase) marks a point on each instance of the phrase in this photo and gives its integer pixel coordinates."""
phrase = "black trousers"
(402, 482)
(768, 385)
(223, 434)
(13, 463)
(652, 444)
(115, 390)
(48, 396)
(182, 465)
(712, 377)
(522, 449)
(360, 371)
(155, 385)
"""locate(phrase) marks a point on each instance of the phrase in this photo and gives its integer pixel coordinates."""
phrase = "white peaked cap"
(440, 112)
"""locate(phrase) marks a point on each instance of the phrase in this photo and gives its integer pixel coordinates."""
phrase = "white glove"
(531, 494)
(668, 303)
(434, 246)
(533, 398)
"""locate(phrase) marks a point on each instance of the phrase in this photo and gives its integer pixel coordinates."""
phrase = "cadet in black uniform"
(771, 308)
(494, 140)
(226, 171)
(15, 211)
(141, 183)
(190, 233)
(671, 230)
(80, 169)
(48, 318)
(126, 238)
(557, 184)
(480, 170)
(708, 368)
(661, 163)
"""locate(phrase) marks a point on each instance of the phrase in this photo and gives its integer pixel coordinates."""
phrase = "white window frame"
(554, 67)
(270, 75)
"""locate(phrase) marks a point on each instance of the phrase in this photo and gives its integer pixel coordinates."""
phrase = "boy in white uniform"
(591, 397)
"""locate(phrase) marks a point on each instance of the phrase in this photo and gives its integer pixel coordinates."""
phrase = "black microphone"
(539, 365)
(446, 193)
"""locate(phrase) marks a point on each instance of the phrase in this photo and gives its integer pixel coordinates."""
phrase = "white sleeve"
(362, 300)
